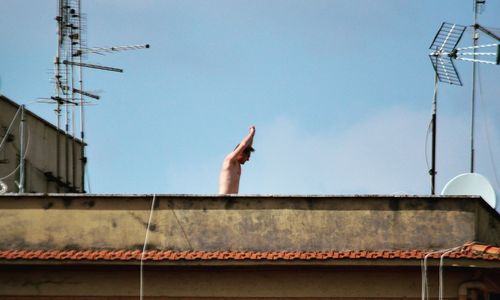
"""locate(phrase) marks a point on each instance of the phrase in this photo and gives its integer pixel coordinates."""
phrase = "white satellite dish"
(471, 184)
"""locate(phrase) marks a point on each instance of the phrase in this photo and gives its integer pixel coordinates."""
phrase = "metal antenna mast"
(443, 52)
(69, 87)
(444, 42)
(475, 38)
(478, 6)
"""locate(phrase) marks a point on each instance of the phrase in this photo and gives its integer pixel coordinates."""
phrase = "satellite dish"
(471, 184)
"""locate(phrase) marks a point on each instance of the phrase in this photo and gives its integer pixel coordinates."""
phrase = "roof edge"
(468, 252)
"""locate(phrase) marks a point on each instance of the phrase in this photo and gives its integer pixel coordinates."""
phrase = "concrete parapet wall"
(258, 223)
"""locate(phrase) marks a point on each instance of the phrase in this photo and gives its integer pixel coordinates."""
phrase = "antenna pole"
(475, 38)
(83, 159)
(69, 64)
(73, 100)
(69, 99)
(58, 84)
(444, 52)
(432, 171)
(21, 152)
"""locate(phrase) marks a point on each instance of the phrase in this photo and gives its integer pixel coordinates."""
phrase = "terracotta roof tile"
(470, 251)
(485, 249)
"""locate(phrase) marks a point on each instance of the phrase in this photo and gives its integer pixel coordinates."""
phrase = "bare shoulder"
(229, 161)
(231, 157)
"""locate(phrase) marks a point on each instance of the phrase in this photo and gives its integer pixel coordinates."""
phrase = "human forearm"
(248, 140)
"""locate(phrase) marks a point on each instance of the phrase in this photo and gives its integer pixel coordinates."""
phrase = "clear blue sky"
(340, 92)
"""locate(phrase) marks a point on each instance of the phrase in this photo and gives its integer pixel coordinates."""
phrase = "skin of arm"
(229, 178)
(245, 143)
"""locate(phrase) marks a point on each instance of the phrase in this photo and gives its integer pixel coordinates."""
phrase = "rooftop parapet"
(249, 223)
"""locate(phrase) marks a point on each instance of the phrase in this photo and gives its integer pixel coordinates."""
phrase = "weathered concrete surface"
(259, 223)
(227, 283)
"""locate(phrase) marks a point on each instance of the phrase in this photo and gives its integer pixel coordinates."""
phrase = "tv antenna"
(69, 88)
(478, 7)
(444, 51)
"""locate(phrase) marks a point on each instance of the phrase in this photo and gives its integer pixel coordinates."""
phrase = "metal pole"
(73, 99)
(475, 38)
(60, 40)
(432, 171)
(83, 159)
(21, 152)
(66, 138)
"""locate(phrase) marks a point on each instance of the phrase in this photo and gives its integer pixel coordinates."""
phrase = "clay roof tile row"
(469, 251)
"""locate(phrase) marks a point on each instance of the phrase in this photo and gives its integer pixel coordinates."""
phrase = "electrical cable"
(87, 174)
(423, 280)
(427, 144)
(432, 170)
(182, 229)
(3, 187)
(23, 157)
(141, 283)
(141, 289)
(441, 262)
(27, 142)
(486, 124)
(425, 285)
(10, 127)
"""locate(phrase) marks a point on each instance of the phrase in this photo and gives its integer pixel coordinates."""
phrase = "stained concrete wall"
(41, 144)
(259, 223)
(332, 283)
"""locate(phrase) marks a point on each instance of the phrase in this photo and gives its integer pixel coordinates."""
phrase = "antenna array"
(69, 86)
(444, 51)
(68, 79)
(444, 45)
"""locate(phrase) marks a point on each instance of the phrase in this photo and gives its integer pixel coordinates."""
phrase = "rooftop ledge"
(244, 222)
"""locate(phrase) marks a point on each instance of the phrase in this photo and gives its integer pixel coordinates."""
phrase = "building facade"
(86, 247)
(35, 156)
